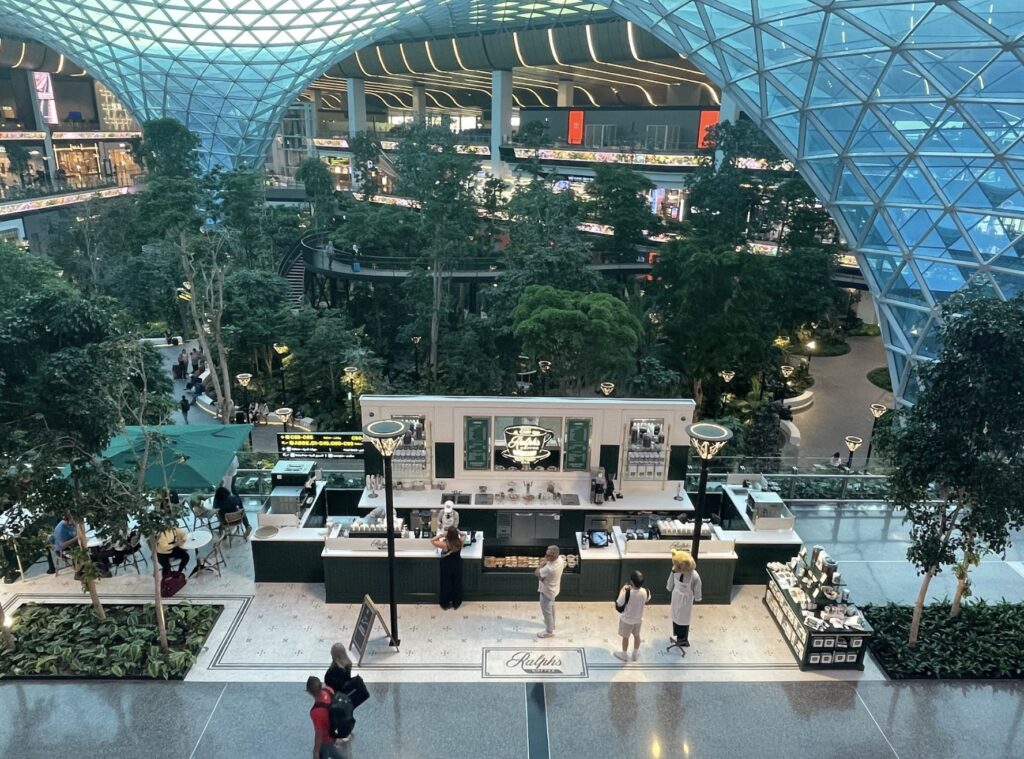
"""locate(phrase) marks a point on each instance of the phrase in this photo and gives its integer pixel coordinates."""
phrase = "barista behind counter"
(447, 517)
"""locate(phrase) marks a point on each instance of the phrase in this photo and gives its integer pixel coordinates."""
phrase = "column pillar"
(566, 93)
(501, 117)
(356, 91)
(42, 125)
(419, 102)
(729, 110)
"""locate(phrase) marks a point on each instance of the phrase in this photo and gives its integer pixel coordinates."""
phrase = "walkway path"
(842, 395)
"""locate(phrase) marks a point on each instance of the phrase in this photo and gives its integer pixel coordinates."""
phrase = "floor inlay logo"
(534, 663)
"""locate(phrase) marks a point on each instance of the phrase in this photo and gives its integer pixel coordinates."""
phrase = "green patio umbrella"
(181, 456)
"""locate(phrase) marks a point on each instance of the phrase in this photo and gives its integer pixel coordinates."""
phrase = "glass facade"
(906, 118)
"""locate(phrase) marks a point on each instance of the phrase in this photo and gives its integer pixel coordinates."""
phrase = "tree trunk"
(435, 321)
(961, 585)
(5, 632)
(158, 605)
(83, 543)
(915, 620)
(698, 397)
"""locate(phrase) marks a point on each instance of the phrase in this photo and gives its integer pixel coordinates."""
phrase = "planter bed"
(70, 641)
(983, 642)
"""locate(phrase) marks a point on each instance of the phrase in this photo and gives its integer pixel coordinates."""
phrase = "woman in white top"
(684, 582)
(630, 604)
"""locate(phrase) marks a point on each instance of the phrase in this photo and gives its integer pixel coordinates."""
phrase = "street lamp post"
(877, 412)
(350, 376)
(386, 435)
(852, 444)
(416, 351)
(811, 346)
(545, 367)
(243, 382)
(707, 440)
(787, 370)
(284, 414)
(282, 350)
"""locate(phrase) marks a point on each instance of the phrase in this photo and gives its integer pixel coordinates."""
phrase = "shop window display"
(645, 452)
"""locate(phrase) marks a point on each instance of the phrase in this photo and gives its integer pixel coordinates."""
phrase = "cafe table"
(193, 542)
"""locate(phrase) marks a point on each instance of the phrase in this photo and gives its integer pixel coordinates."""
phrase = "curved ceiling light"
(359, 63)
(401, 49)
(380, 57)
(551, 44)
(430, 57)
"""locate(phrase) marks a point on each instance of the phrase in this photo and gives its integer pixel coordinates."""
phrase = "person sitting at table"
(64, 536)
(226, 502)
(168, 546)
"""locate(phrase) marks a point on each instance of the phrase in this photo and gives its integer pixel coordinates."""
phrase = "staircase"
(296, 277)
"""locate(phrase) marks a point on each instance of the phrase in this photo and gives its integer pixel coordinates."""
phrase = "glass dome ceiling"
(906, 118)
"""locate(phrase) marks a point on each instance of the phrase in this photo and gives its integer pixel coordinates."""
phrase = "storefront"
(601, 478)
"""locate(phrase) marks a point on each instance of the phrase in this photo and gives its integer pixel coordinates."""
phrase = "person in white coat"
(684, 583)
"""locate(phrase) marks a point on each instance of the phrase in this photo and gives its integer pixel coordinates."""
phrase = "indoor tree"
(316, 177)
(588, 337)
(618, 197)
(958, 453)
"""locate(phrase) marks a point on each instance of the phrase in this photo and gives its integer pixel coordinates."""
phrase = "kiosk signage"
(525, 443)
(320, 445)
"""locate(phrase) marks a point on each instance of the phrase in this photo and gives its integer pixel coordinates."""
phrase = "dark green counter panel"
(752, 566)
(599, 580)
(287, 561)
(716, 576)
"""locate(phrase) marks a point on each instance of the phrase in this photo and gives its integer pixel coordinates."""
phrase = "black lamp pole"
(698, 519)
(389, 504)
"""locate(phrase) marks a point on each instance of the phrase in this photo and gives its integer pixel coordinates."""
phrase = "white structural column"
(356, 91)
(501, 117)
(42, 125)
(419, 101)
(729, 110)
(566, 93)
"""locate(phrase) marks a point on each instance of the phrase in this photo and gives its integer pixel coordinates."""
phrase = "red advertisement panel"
(707, 119)
(575, 136)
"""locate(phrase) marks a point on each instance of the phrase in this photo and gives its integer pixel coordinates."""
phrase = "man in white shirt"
(549, 576)
(631, 602)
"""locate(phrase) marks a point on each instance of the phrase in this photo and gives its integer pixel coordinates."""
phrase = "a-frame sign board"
(364, 624)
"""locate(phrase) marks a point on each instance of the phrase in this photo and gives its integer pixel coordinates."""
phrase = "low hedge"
(71, 641)
(982, 642)
(880, 378)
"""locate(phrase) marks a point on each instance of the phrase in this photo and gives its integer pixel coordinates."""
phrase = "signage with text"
(534, 663)
(526, 443)
(320, 445)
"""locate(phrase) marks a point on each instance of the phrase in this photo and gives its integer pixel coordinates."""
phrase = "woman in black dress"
(340, 672)
(451, 568)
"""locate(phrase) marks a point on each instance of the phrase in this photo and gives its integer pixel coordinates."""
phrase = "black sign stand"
(364, 624)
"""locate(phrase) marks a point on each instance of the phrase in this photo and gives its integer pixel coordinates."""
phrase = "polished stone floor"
(737, 694)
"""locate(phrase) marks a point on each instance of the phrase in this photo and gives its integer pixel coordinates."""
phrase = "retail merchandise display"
(380, 527)
(811, 605)
(672, 528)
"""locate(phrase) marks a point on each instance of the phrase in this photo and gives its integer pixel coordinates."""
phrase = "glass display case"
(646, 450)
(525, 556)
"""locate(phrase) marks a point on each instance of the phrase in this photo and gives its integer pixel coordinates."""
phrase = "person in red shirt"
(324, 746)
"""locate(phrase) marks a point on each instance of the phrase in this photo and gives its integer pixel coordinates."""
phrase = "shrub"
(880, 378)
(984, 641)
(70, 641)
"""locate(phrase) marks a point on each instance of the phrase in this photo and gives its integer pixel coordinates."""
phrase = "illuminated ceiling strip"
(587, 93)
(385, 102)
(458, 58)
(632, 43)
(380, 57)
(84, 73)
(438, 104)
(531, 90)
(22, 58)
(518, 101)
(426, 44)
(452, 97)
(60, 66)
(401, 49)
(551, 44)
(590, 44)
(519, 54)
(359, 63)
(338, 84)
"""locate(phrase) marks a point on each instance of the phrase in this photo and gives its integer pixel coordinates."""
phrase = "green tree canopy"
(587, 336)
(618, 198)
(168, 149)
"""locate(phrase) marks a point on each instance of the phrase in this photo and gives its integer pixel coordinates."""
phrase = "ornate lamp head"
(708, 439)
(385, 435)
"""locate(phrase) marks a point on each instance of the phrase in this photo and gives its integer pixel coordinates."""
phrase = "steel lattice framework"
(906, 118)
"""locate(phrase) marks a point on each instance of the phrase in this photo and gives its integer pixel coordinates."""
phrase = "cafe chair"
(214, 559)
(134, 555)
(202, 516)
(61, 560)
(232, 527)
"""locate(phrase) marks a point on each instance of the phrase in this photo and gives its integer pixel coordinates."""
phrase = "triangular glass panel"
(793, 78)
(1002, 123)
(901, 79)
(1002, 78)
(776, 52)
(776, 100)
(803, 30)
(882, 267)
(952, 69)
(905, 288)
(986, 233)
(842, 36)
(879, 171)
(874, 137)
(743, 43)
(880, 236)
(1008, 19)
(789, 126)
(1010, 285)
(738, 68)
(850, 187)
(894, 21)
(944, 279)
(912, 223)
(931, 341)
(829, 88)
(909, 321)
(943, 25)
(838, 121)
(825, 171)
(722, 23)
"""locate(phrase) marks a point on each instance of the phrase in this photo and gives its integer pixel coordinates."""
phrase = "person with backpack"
(185, 405)
(332, 718)
(630, 606)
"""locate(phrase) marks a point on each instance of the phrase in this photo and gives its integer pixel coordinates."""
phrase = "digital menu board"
(320, 445)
